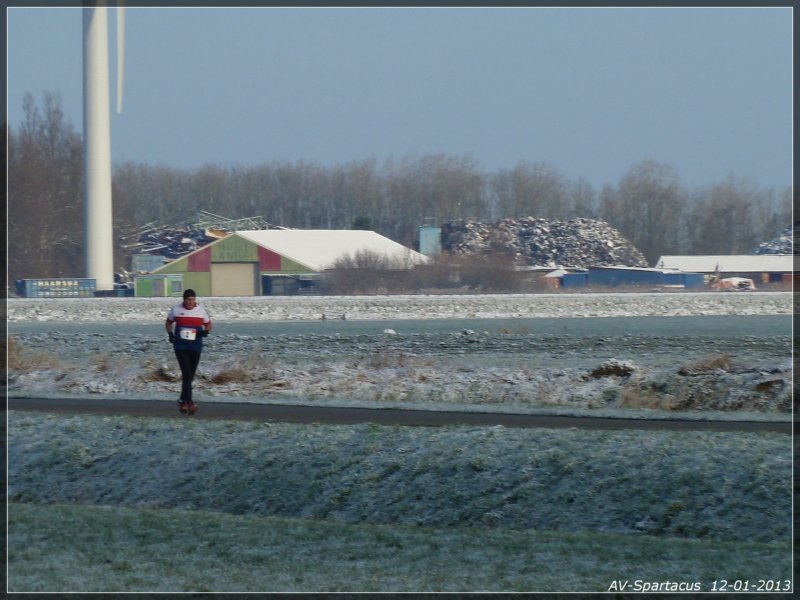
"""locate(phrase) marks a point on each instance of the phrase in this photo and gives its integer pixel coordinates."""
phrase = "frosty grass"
(126, 504)
(107, 503)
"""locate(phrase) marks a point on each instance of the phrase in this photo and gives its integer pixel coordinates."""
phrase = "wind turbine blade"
(120, 54)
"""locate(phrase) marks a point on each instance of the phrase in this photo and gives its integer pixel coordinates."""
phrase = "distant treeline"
(650, 206)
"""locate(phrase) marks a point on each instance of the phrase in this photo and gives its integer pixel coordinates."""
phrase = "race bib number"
(189, 335)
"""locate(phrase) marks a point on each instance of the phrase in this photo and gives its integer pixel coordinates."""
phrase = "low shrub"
(19, 359)
(711, 363)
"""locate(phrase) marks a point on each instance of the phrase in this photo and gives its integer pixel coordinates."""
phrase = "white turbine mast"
(98, 224)
(120, 54)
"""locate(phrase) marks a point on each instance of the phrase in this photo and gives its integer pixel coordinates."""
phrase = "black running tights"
(188, 360)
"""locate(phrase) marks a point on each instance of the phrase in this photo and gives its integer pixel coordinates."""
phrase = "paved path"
(384, 416)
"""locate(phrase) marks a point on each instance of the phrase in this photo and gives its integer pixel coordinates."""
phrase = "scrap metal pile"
(172, 241)
(531, 241)
(781, 244)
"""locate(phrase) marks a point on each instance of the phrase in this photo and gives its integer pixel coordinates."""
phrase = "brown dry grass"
(705, 365)
(232, 375)
(611, 370)
(14, 353)
(101, 363)
(155, 372)
(647, 397)
(255, 367)
(19, 359)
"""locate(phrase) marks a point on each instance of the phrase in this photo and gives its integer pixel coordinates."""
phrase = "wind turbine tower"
(98, 227)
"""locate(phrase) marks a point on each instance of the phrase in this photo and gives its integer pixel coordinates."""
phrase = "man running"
(192, 324)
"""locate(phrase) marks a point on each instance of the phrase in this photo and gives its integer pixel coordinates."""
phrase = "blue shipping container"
(613, 277)
(574, 280)
(694, 280)
(679, 278)
(56, 287)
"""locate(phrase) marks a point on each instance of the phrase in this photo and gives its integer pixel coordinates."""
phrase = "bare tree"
(734, 215)
(433, 186)
(366, 272)
(364, 189)
(582, 200)
(648, 208)
(494, 272)
(649, 205)
(45, 193)
(531, 189)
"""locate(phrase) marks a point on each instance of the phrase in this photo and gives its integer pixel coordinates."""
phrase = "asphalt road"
(382, 416)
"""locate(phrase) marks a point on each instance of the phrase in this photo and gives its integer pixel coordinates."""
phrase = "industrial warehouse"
(690, 272)
(762, 268)
(269, 262)
(216, 256)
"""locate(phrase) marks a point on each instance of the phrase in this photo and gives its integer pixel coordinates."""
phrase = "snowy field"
(97, 503)
(673, 353)
(277, 308)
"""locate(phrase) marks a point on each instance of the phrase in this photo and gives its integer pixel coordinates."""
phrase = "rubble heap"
(173, 241)
(170, 241)
(532, 241)
(781, 244)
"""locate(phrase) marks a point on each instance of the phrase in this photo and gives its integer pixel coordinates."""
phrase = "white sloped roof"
(318, 249)
(729, 263)
(556, 273)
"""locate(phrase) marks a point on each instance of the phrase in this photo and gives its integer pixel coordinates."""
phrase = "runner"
(192, 324)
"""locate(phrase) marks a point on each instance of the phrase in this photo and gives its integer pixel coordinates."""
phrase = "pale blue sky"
(592, 91)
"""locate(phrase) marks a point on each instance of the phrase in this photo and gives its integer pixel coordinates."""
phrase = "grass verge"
(70, 548)
(726, 486)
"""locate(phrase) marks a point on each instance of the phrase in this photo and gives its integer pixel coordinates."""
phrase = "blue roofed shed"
(632, 276)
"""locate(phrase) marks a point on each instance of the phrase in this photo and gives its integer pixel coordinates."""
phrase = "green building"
(277, 261)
